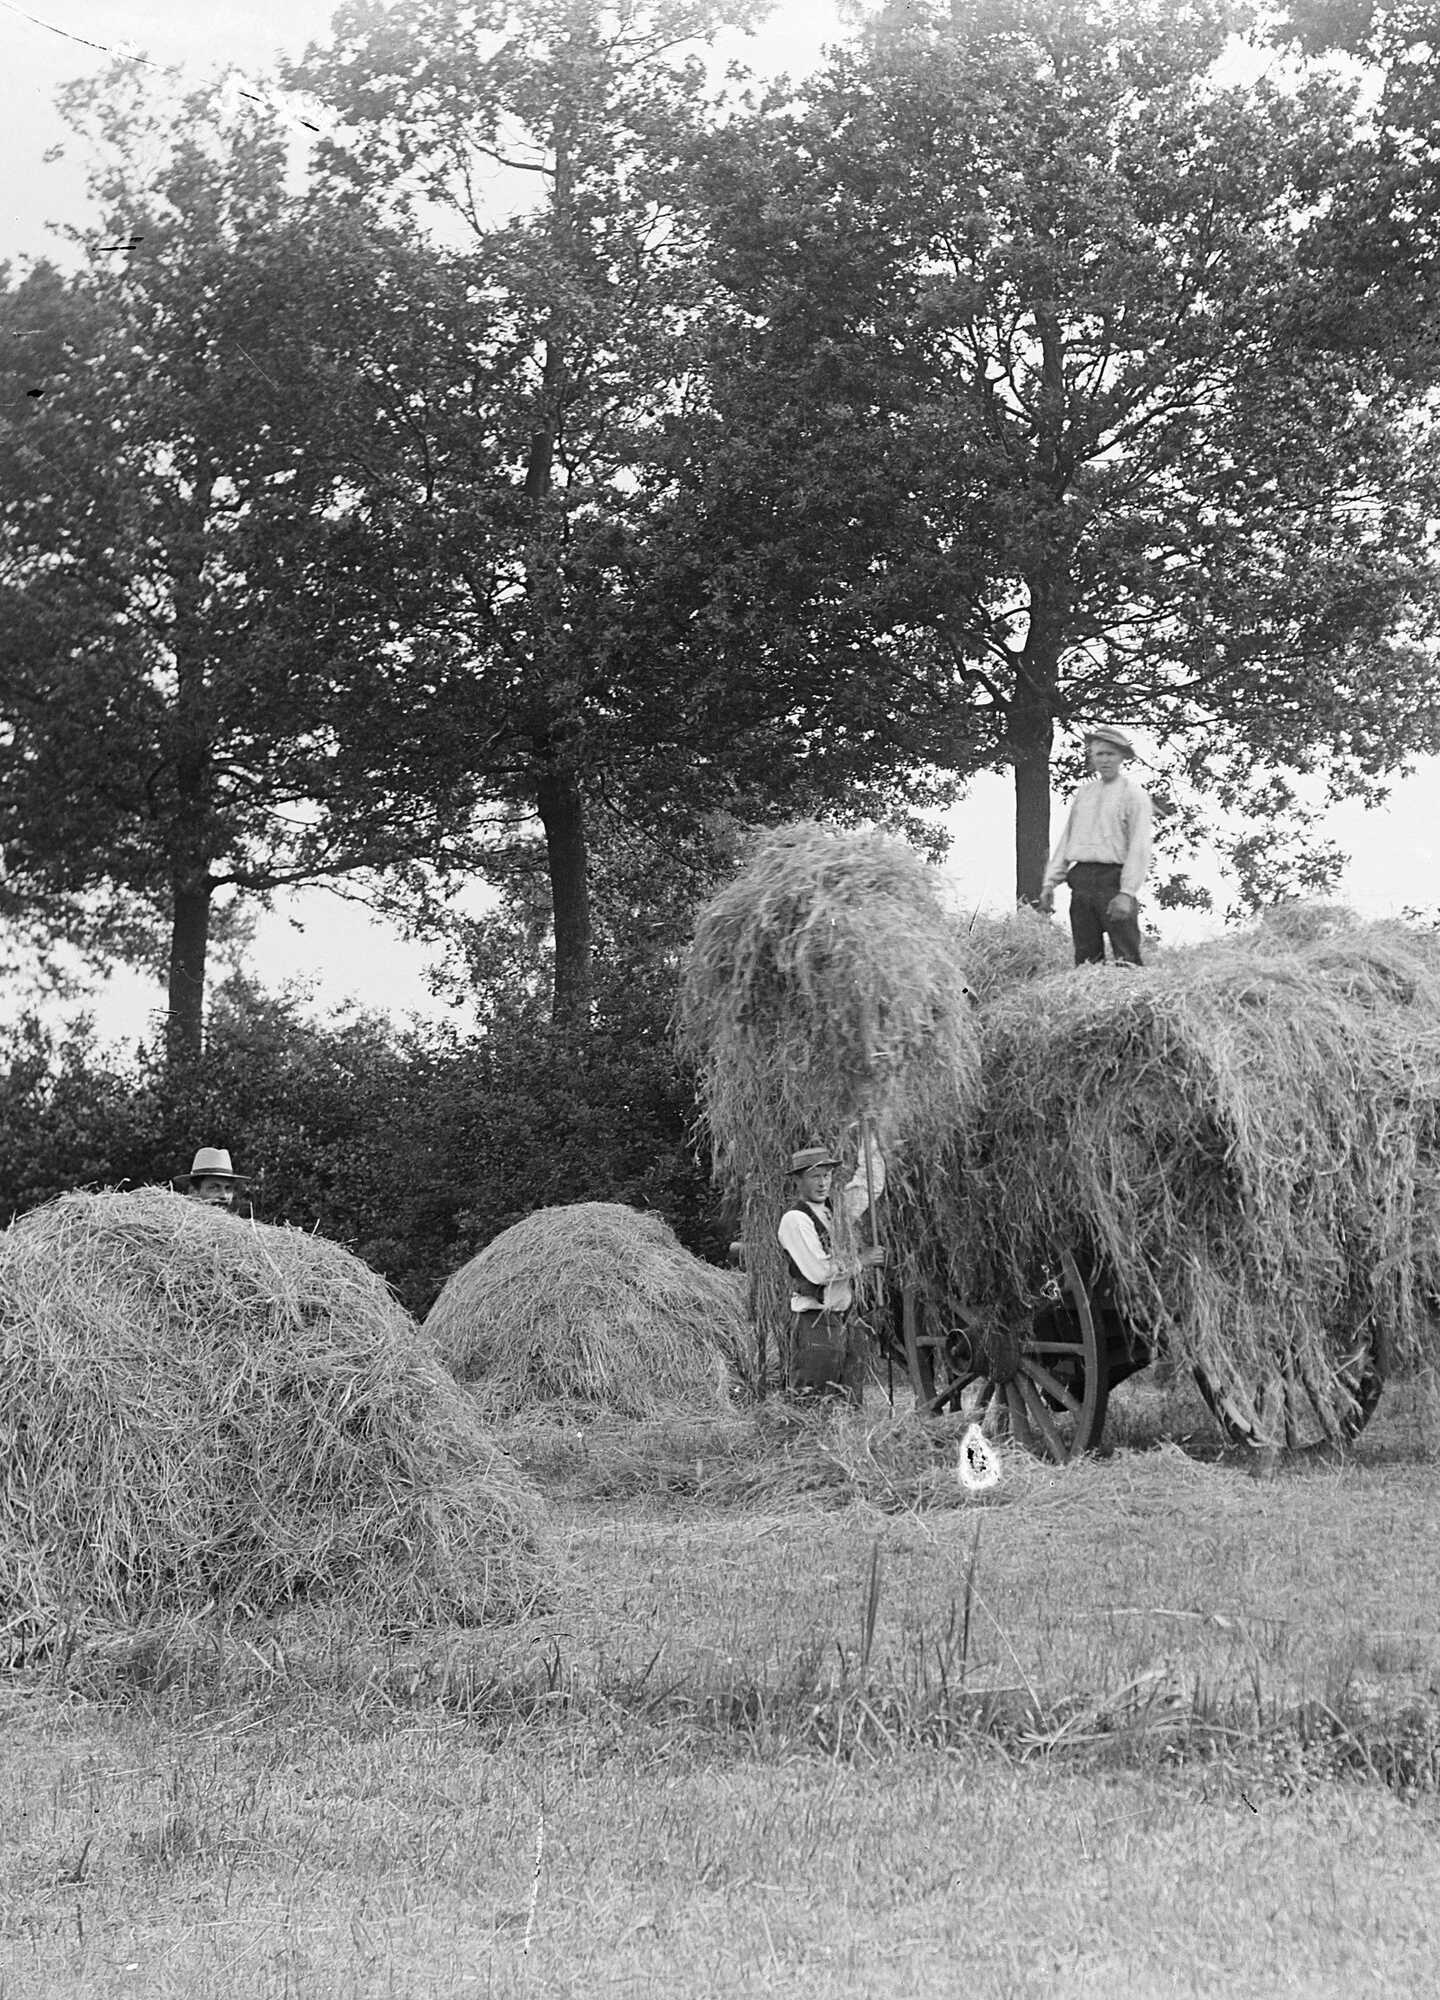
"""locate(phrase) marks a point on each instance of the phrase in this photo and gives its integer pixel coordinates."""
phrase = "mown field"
(803, 1717)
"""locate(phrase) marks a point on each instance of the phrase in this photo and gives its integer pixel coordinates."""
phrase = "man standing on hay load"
(1103, 853)
(827, 1352)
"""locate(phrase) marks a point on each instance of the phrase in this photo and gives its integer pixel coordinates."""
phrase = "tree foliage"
(414, 1147)
(178, 724)
(1029, 340)
(523, 517)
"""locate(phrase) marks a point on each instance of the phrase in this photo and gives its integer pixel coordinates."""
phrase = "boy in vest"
(827, 1356)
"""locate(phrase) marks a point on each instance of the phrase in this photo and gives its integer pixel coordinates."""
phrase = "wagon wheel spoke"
(995, 1417)
(1015, 1409)
(1054, 1389)
(1040, 1420)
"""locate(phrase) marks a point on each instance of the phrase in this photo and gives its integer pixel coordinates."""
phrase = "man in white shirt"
(827, 1356)
(1103, 853)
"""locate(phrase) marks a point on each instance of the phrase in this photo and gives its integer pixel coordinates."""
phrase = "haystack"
(593, 1306)
(825, 994)
(196, 1410)
(1244, 1138)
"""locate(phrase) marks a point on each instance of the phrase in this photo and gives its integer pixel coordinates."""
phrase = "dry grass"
(767, 1455)
(1152, 1728)
(1244, 1137)
(592, 1307)
(198, 1411)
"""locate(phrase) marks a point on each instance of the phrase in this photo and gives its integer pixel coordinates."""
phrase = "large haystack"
(1243, 1138)
(593, 1306)
(198, 1410)
(826, 993)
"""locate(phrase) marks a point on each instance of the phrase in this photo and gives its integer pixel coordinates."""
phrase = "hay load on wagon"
(200, 1411)
(824, 994)
(1241, 1146)
(592, 1307)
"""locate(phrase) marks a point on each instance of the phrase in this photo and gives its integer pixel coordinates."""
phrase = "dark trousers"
(827, 1356)
(1092, 884)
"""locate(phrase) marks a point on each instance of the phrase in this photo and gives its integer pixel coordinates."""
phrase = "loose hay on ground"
(196, 1410)
(593, 1306)
(766, 1457)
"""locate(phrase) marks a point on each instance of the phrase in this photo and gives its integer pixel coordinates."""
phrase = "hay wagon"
(1230, 1161)
(1042, 1375)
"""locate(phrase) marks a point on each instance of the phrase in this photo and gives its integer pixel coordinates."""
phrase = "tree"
(519, 520)
(1379, 237)
(176, 721)
(1030, 346)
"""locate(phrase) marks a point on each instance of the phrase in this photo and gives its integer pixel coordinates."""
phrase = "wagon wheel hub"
(1004, 1349)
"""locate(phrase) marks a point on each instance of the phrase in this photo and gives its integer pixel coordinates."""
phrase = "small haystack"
(196, 1410)
(593, 1306)
(825, 992)
(1245, 1138)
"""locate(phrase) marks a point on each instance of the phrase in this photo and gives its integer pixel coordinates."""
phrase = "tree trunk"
(1032, 815)
(189, 942)
(1030, 734)
(1037, 671)
(562, 814)
(191, 751)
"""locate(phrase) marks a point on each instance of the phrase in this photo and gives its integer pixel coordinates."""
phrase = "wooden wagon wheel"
(1290, 1407)
(1046, 1385)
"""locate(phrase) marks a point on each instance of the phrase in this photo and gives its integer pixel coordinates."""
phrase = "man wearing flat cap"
(1103, 853)
(827, 1354)
(213, 1180)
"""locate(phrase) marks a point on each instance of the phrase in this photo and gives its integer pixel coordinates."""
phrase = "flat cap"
(812, 1156)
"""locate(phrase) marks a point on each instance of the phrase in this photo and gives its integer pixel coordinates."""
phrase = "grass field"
(803, 1718)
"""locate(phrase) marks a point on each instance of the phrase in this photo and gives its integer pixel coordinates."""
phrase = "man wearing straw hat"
(827, 1355)
(212, 1179)
(1103, 853)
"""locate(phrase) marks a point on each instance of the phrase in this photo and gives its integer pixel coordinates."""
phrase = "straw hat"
(212, 1163)
(1116, 738)
(812, 1156)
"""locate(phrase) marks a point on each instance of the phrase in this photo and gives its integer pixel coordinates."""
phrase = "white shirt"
(1107, 821)
(800, 1239)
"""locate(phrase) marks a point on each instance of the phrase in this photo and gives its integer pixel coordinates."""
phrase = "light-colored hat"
(1118, 740)
(812, 1156)
(212, 1163)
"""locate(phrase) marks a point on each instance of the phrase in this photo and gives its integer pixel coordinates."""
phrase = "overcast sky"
(45, 44)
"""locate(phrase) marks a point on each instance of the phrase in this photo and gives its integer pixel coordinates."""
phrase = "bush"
(411, 1146)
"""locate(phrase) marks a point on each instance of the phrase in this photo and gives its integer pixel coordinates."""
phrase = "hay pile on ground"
(590, 1307)
(196, 1411)
(824, 993)
(1245, 1138)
